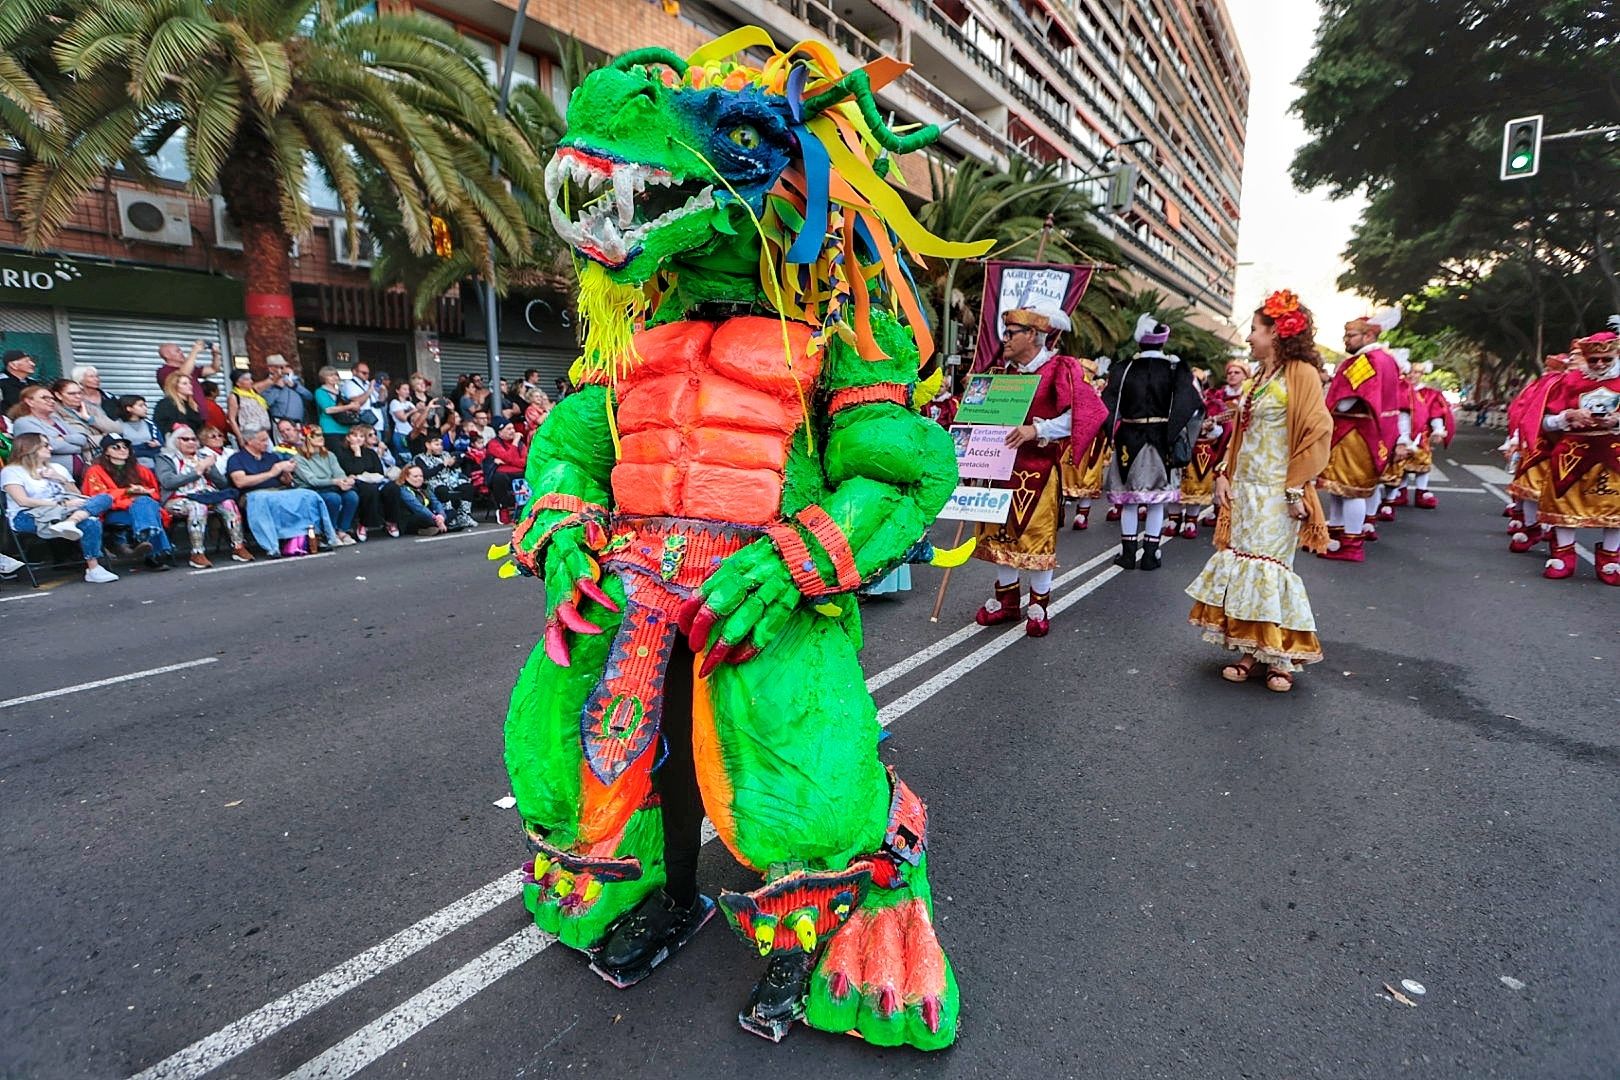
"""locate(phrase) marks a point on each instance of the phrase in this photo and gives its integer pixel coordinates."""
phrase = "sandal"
(1279, 682)
(1243, 669)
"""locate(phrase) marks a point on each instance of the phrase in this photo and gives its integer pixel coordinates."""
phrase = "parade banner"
(982, 452)
(1009, 285)
(979, 504)
(997, 399)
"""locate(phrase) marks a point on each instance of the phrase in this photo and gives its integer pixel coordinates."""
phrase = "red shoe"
(1369, 530)
(1608, 565)
(1427, 500)
(1082, 519)
(1171, 526)
(1189, 529)
(1039, 624)
(1398, 500)
(1113, 513)
(1510, 510)
(1004, 608)
(1335, 536)
(1386, 512)
(1348, 548)
(1526, 538)
(1515, 524)
(1562, 563)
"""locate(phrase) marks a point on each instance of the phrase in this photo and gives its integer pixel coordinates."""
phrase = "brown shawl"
(1310, 432)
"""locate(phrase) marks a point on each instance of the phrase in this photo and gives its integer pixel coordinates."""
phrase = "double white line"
(394, 1027)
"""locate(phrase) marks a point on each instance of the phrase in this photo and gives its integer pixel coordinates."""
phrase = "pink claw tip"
(702, 627)
(576, 622)
(557, 645)
(687, 613)
(838, 986)
(888, 1002)
(743, 654)
(930, 1013)
(716, 657)
(593, 591)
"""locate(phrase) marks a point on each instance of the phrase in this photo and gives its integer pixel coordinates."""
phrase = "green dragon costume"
(722, 482)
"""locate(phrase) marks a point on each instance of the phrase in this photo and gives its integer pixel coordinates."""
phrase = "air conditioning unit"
(227, 235)
(351, 248)
(157, 219)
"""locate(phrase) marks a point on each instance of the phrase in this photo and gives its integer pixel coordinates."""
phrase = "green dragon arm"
(571, 455)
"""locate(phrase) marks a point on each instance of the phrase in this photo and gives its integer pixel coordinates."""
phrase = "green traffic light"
(1521, 161)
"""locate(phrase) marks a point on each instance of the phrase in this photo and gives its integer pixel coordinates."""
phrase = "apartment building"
(1065, 81)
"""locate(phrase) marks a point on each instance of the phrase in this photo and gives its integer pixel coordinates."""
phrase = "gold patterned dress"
(1248, 597)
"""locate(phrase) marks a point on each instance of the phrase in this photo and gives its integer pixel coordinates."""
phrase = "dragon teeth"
(626, 186)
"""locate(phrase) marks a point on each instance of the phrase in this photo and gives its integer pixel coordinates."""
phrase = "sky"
(1294, 239)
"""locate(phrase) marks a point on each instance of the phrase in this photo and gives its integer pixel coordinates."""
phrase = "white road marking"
(207, 1054)
(262, 560)
(25, 596)
(946, 644)
(131, 677)
(382, 1035)
(391, 1029)
(1453, 463)
(1580, 549)
(1490, 474)
(1438, 475)
(463, 535)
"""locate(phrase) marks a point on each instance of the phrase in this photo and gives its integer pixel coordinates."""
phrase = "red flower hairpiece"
(1283, 309)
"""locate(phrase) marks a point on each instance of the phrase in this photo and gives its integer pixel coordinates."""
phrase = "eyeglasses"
(1014, 331)
(185, 438)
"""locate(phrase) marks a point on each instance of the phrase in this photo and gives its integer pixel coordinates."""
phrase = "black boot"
(1150, 555)
(778, 998)
(647, 937)
(1127, 554)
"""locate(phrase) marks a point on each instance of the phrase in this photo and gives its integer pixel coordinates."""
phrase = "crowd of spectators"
(281, 468)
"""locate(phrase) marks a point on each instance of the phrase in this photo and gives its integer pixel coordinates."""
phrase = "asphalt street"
(288, 859)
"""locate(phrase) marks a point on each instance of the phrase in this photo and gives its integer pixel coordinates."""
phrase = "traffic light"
(1122, 188)
(1521, 148)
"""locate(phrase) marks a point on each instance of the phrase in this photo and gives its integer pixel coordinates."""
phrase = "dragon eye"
(744, 136)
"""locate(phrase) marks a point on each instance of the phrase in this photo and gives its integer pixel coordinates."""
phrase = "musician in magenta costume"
(1440, 423)
(1578, 460)
(1412, 417)
(1063, 420)
(1524, 439)
(1198, 479)
(1366, 428)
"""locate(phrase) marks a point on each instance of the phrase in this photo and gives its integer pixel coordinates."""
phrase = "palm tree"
(258, 90)
(1188, 340)
(975, 200)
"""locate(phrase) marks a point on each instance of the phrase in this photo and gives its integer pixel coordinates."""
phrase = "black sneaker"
(648, 936)
(156, 563)
(778, 998)
(1150, 555)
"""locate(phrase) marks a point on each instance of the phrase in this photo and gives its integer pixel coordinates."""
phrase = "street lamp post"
(492, 346)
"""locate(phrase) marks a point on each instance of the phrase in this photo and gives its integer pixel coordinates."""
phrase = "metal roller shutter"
(32, 329)
(458, 358)
(124, 348)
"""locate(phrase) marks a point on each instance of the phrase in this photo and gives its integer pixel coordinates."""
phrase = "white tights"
(1421, 481)
(1564, 537)
(1350, 513)
(1040, 581)
(1134, 517)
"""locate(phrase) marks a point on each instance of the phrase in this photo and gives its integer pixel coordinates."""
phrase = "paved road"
(288, 860)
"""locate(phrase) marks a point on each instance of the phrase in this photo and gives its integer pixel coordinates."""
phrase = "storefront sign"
(982, 452)
(88, 285)
(978, 504)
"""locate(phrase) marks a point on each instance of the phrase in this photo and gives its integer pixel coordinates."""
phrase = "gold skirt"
(1036, 547)
(1350, 472)
(1085, 481)
(1267, 642)
(1592, 502)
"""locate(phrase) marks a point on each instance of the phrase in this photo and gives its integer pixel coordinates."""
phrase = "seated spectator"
(178, 406)
(384, 454)
(98, 407)
(446, 473)
(36, 414)
(481, 421)
(379, 496)
(17, 377)
(246, 407)
(219, 452)
(288, 398)
(539, 407)
(406, 414)
(289, 438)
(419, 508)
(135, 507)
(72, 411)
(503, 468)
(318, 470)
(43, 501)
(191, 486)
(212, 414)
(143, 435)
(283, 519)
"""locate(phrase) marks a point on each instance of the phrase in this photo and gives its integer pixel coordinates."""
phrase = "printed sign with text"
(982, 452)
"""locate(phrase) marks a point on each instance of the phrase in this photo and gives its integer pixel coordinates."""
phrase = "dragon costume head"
(708, 178)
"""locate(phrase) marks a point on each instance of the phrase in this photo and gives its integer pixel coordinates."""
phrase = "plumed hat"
(1042, 315)
(1605, 345)
(1150, 332)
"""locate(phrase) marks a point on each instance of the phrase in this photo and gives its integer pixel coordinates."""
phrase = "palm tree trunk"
(253, 198)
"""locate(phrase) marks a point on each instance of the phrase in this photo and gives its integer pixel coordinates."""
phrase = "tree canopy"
(1406, 101)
